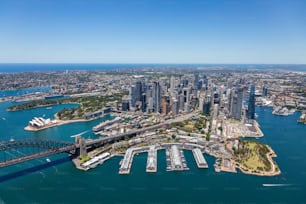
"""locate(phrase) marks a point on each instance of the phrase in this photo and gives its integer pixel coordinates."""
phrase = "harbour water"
(63, 183)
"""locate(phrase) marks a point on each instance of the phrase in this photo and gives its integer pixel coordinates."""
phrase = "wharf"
(152, 160)
(127, 162)
(198, 156)
(228, 165)
(128, 158)
(177, 159)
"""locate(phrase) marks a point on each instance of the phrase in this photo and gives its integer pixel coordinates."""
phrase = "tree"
(208, 136)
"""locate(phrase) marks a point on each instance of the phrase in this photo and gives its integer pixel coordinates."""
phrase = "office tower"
(185, 82)
(181, 102)
(196, 80)
(264, 91)
(236, 103)
(125, 104)
(216, 98)
(156, 94)
(201, 103)
(165, 105)
(175, 106)
(138, 93)
(199, 85)
(150, 108)
(206, 105)
(133, 96)
(186, 93)
(144, 102)
(172, 83)
(251, 105)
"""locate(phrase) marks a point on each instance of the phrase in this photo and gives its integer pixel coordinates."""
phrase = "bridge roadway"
(104, 140)
(37, 155)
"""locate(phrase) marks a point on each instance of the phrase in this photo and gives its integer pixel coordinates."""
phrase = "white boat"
(48, 160)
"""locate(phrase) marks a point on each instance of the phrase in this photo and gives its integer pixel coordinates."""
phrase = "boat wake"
(82, 133)
(275, 185)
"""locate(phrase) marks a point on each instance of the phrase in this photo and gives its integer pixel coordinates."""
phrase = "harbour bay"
(63, 183)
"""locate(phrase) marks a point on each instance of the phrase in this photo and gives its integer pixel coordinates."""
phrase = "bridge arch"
(51, 146)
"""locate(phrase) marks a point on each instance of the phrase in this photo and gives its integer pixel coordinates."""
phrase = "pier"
(198, 156)
(174, 157)
(128, 158)
(152, 160)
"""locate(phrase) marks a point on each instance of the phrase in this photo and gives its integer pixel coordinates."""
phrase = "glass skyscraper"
(251, 105)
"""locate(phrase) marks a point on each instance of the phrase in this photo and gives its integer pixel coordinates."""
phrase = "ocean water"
(63, 183)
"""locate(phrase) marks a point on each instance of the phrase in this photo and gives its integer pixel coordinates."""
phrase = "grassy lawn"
(188, 127)
(252, 155)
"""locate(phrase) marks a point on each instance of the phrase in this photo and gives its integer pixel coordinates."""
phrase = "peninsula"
(206, 111)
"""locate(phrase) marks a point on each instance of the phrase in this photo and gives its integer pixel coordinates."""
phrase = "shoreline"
(40, 106)
(272, 172)
(58, 123)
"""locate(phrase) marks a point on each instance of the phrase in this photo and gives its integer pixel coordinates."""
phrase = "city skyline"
(187, 32)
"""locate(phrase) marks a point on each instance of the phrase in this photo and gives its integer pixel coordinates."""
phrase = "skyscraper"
(132, 96)
(251, 105)
(172, 83)
(186, 92)
(156, 94)
(144, 102)
(196, 80)
(125, 104)
(236, 103)
(138, 93)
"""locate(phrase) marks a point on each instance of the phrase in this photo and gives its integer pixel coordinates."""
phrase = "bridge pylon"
(81, 143)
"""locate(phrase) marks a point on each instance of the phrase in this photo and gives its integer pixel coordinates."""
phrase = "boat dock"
(198, 156)
(128, 158)
(177, 159)
(174, 157)
(152, 160)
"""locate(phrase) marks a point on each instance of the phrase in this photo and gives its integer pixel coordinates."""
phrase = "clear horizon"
(153, 32)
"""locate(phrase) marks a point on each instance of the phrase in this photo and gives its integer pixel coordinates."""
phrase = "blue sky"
(153, 31)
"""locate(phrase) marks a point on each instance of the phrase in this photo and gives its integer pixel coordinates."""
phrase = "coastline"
(58, 123)
(272, 172)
